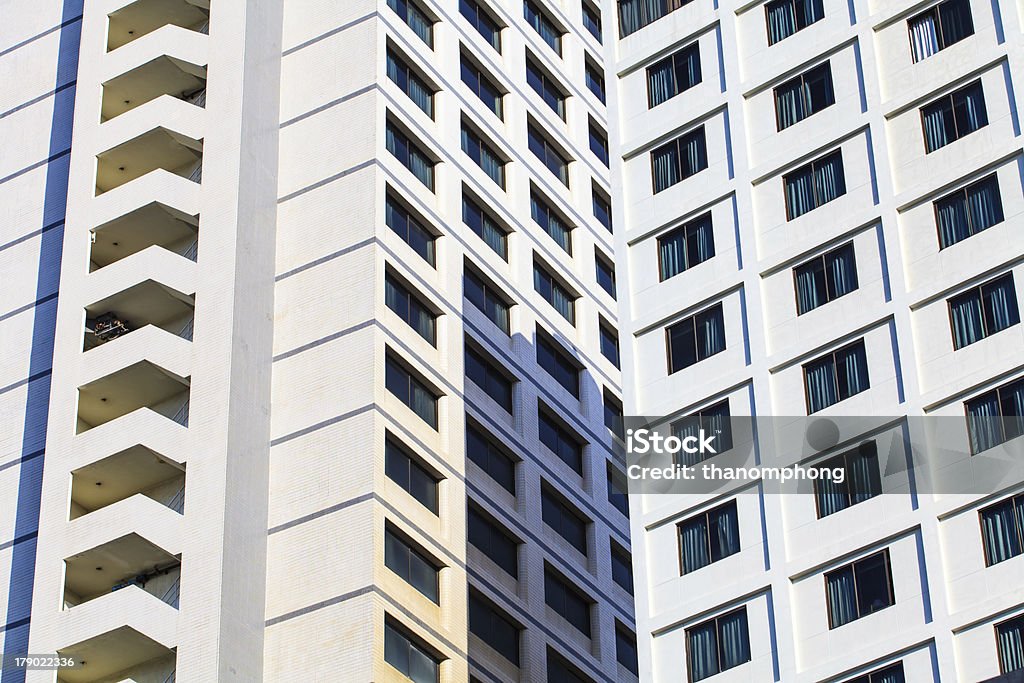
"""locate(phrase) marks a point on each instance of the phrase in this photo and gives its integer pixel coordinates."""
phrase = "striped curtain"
(789, 105)
(694, 540)
(725, 526)
(968, 326)
(781, 20)
(841, 271)
(924, 37)
(703, 650)
(829, 180)
(735, 639)
(799, 192)
(952, 217)
(983, 422)
(665, 162)
(999, 532)
(984, 205)
(661, 83)
(938, 126)
(820, 385)
(1011, 645)
(999, 301)
(842, 597)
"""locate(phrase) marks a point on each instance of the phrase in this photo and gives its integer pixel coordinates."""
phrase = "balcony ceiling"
(117, 560)
(161, 76)
(151, 224)
(147, 303)
(109, 653)
(119, 476)
(158, 148)
(142, 17)
(137, 386)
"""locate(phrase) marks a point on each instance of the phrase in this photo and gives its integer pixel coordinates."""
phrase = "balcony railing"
(181, 417)
(177, 502)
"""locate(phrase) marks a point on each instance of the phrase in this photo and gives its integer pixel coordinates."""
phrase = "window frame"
(965, 197)
(491, 293)
(494, 452)
(484, 82)
(481, 147)
(403, 14)
(473, 205)
(796, 13)
(835, 374)
(411, 641)
(1015, 501)
(415, 381)
(813, 165)
(412, 75)
(540, 206)
(979, 290)
(692, 320)
(593, 21)
(555, 283)
(941, 100)
(706, 516)
(594, 75)
(823, 258)
(412, 464)
(1002, 417)
(482, 15)
(803, 79)
(558, 363)
(543, 22)
(495, 377)
(414, 301)
(718, 648)
(852, 566)
(493, 612)
(687, 229)
(567, 590)
(608, 334)
(495, 531)
(569, 522)
(413, 148)
(551, 151)
(1015, 621)
(940, 38)
(843, 459)
(563, 434)
(683, 54)
(677, 142)
(544, 84)
(412, 552)
(411, 219)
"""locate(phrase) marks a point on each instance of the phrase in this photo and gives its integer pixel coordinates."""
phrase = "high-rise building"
(816, 208)
(335, 379)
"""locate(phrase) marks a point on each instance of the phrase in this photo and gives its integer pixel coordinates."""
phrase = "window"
(622, 567)
(411, 13)
(485, 297)
(1010, 636)
(409, 563)
(493, 627)
(617, 494)
(938, 27)
(670, 76)
(968, 211)
(888, 674)
(592, 20)
(709, 537)
(484, 373)
(859, 589)
(564, 520)
(482, 21)
(953, 116)
(718, 644)
(563, 599)
(825, 278)
(595, 80)
(406, 471)
(679, 159)
(554, 225)
(786, 17)
(602, 208)
(609, 341)
(696, 338)
(598, 142)
(557, 363)
(996, 416)
(491, 458)
(482, 86)
(815, 184)
(561, 671)
(411, 391)
(484, 225)
(404, 224)
(410, 155)
(613, 417)
(543, 25)
(635, 14)
(545, 86)
(686, 246)
(560, 442)
(494, 542)
(1002, 530)
(409, 655)
(625, 648)
(983, 310)
(554, 293)
(410, 308)
(836, 377)
(605, 273)
(483, 155)
(862, 480)
(800, 97)
(546, 152)
(412, 85)
(713, 420)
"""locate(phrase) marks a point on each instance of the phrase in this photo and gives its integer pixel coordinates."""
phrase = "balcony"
(123, 655)
(130, 561)
(141, 385)
(136, 470)
(157, 149)
(145, 16)
(147, 303)
(154, 224)
(161, 76)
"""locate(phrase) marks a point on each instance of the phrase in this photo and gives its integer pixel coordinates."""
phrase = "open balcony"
(164, 75)
(158, 148)
(122, 655)
(128, 562)
(138, 386)
(133, 21)
(133, 471)
(154, 224)
(147, 303)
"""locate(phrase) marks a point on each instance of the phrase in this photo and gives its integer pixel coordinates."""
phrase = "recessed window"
(404, 469)
(494, 542)
(410, 308)
(545, 150)
(483, 86)
(554, 292)
(564, 520)
(672, 75)
(561, 671)
(996, 416)
(695, 338)
(635, 14)
(407, 226)
(410, 655)
(482, 21)
(803, 96)
(836, 377)
(544, 215)
(625, 648)
(554, 360)
(592, 20)
(825, 278)
(414, 16)
(545, 86)
(617, 494)
(968, 211)
(410, 155)
(560, 441)
(686, 246)
(487, 299)
(609, 341)
(861, 480)
(1002, 530)
(598, 142)
(491, 458)
(983, 310)
(717, 645)
(410, 563)
(484, 155)
(493, 627)
(714, 420)
(679, 159)
(485, 373)
(565, 600)
(622, 567)
(938, 27)
(543, 25)
(1010, 637)
(602, 208)
(953, 116)
(814, 185)
(486, 227)
(410, 83)
(613, 417)
(786, 17)
(709, 537)
(595, 80)
(411, 390)
(859, 589)
(605, 273)
(887, 674)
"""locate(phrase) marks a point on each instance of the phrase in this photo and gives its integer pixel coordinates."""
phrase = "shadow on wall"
(19, 599)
